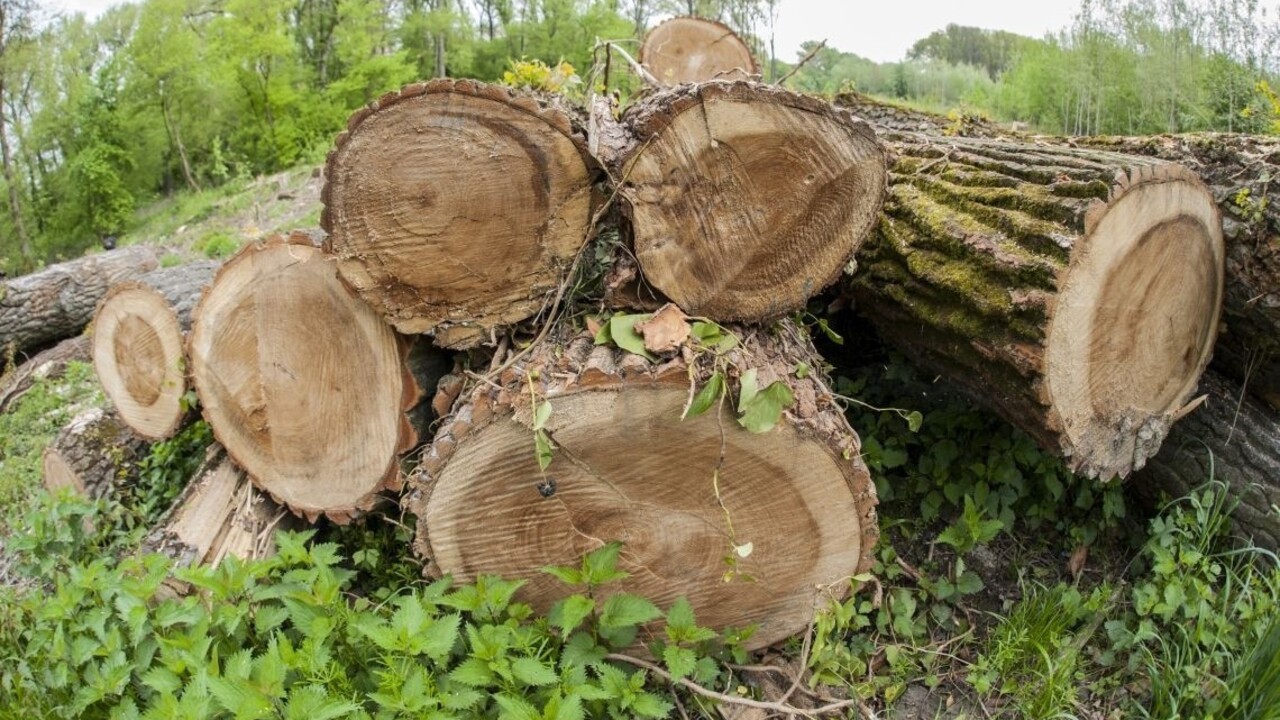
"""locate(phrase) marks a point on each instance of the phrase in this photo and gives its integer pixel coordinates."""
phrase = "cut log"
(218, 514)
(1232, 438)
(92, 454)
(456, 207)
(1240, 170)
(746, 200)
(1076, 292)
(694, 50)
(139, 346)
(898, 118)
(300, 380)
(46, 365)
(60, 300)
(695, 502)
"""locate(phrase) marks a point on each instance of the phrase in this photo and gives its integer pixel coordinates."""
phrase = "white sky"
(882, 30)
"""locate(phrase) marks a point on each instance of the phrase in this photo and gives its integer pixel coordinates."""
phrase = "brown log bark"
(92, 454)
(302, 383)
(218, 514)
(793, 507)
(139, 353)
(745, 200)
(60, 300)
(1075, 291)
(456, 208)
(1232, 438)
(46, 365)
(897, 118)
(694, 50)
(1240, 171)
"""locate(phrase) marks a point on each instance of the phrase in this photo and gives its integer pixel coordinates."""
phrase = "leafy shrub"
(217, 244)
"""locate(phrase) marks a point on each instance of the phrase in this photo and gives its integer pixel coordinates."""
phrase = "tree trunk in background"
(793, 507)
(744, 200)
(1241, 171)
(139, 346)
(302, 383)
(456, 208)
(1077, 292)
(60, 300)
(47, 365)
(15, 206)
(1232, 438)
(92, 454)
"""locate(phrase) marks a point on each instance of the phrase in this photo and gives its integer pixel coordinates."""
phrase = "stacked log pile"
(452, 332)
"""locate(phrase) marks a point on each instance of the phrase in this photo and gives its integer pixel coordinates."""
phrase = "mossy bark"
(978, 240)
(1232, 438)
(94, 453)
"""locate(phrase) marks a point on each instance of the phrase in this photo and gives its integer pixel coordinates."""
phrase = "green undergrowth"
(33, 422)
(1003, 586)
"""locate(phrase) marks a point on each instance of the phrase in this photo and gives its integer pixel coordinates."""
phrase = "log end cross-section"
(301, 382)
(456, 207)
(691, 50)
(781, 514)
(746, 200)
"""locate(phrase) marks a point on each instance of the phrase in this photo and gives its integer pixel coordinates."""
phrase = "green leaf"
(680, 616)
(543, 449)
(713, 337)
(709, 395)
(761, 411)
(531, 671)
(968, 583)
(651, 706)
(802, 370)
(914, 421)
(622, 331)
(541, 414)
(569, 708)
(474, 672)
(437, 641)
(565, 574)
(748, 388)
(680, 661)
(568, 614)
(601, 564)
(627, 610)
(514, 708)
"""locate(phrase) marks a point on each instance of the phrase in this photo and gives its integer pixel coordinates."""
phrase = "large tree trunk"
(745, 200)
(456, 208)
(1077, 292)
(92, 454)
(1232, 438)
(694, 50)
(697, 501)
(302, 383)
(60, 300)
(139, 344)
(1240, 171)
(219, 513)
(47, 365)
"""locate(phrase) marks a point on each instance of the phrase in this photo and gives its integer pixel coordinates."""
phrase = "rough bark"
(1075, 291)
(60, 300)
(47, 365)
(139, 346)
(1240, 171)
(93, 453)
(694, 50)
(896, 118)
(793, 508)
(1232, 438)
(302, 383)
(456, 208)
(745, 200)
(218, 514)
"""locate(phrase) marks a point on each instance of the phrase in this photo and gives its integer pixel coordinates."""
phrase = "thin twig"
(645, 75)
(803, 61)
(731, 699)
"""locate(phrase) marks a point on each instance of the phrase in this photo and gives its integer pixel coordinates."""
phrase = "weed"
(217, 244)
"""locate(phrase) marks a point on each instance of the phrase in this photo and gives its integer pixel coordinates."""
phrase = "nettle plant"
(283, 637)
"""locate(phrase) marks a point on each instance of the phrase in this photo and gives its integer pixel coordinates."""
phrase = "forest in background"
(99, 117)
